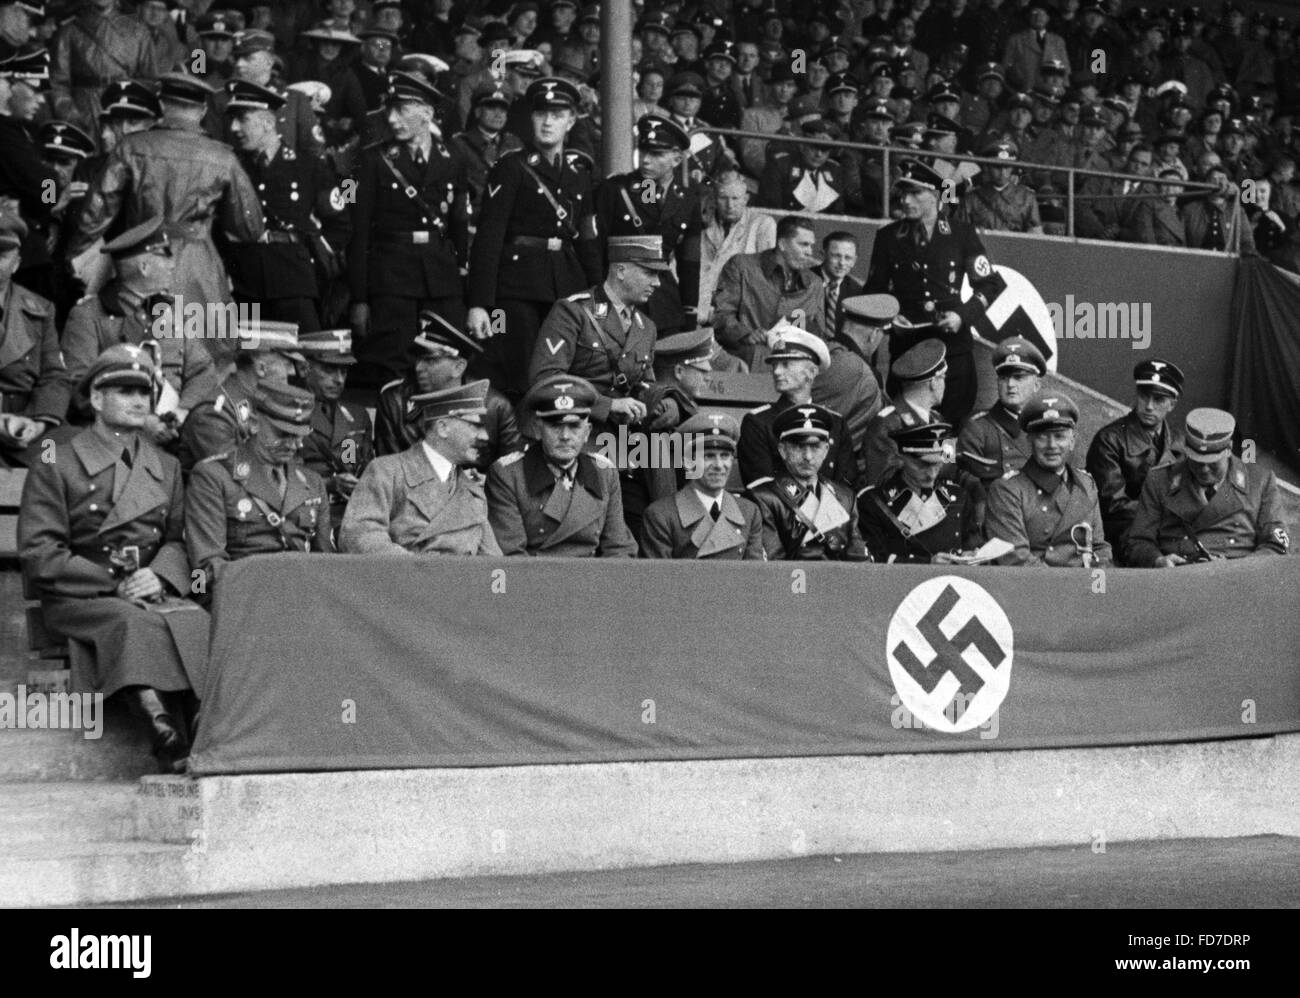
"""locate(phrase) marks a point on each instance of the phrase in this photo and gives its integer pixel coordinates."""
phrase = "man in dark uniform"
(258, 498)
(796, 358)
(1000, 203)
(1123, 452)
(279, 271)
(922, 512)
(650, 201)
(35, 385)
(1208, 505)
(338, 447)
(126, 106)
(849, 385)
(709, 155)
(24, 180)
(922, 375)
(805, 178)
(533, 245)
(556, 498)
(991, 443)
(410, 234)
(719, 104)
(295, 119)
(440, 355)
(485, 140)
(217, 37)
(100, 538)
(806, 516)
(1048, 510)
(921, 260)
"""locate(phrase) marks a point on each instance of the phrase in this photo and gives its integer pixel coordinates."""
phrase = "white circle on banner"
(949, 647)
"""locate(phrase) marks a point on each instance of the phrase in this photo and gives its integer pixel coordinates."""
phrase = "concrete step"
(122, 753)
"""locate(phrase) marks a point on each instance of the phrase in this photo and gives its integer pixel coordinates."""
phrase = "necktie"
(1209, 492)
(749, 90)
(417, 157)
(832, 301)
(625, 316)
(126, 457)
(121, 473)
(277, 476)
(715, 510)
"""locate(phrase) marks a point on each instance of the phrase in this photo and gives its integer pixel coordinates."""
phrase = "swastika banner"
(355, 662)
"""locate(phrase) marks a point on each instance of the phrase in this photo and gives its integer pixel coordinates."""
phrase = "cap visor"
(1200, 458)
(293, 429)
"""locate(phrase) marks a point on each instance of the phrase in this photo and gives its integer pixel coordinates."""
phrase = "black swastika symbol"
(948, 652)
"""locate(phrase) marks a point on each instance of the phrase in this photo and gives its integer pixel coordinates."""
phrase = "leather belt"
(282, 236)
(554, 244)
(14, 402)
(420, 238)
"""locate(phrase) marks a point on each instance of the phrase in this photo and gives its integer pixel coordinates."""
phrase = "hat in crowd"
(926, 441)
(573, 62)
(786, 341)
(383, 34)
(836, 44)
(1001, 149)
(686, 83)
(686, 28)
(328, 346)
(802, 421)
(286, 407)
(1092, 117)
(215, 24)
(1017, 354)
(184, 88)
(841, 83)
(13, 230)
(1159, 375)
(423, 64)
(460, 401)
(644, 251)
(119, 366)
(62, 138)
(915, 174)
(655, 20)
(901, 92)
(871, 310)
(1234, 126)
(712, 430)
(941, 124)
(254, 40)
(150, 236)
(129, 99)
(1208, 434)
(1052, 66)
(552, 92)
(877, 107)
(1020, 100)
(1055, 413)
(559, 397)
(439, 338)
(655, 132)
(407, 88)
(991, 71)
(31, 68)
(943, 91)
(329, 33)
(269, 336)
(922, 362)
(489, 93)
(590, 12)
(815, 126)
(695, 348)
(1044, 94)
(525, 62)
(909, 134)
(721, 48)
(245, 96)
(315, 91)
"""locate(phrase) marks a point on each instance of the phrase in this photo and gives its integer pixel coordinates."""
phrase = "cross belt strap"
(435, 217)
(561, 212)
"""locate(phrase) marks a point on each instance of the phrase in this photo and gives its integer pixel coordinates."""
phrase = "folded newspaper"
(987, 552)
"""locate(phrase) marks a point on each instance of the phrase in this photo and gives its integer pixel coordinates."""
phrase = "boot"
(170, 747)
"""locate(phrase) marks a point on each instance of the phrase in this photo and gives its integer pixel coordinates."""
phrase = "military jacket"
(899, 525)
(397, 422)
(1036, 510)
(679, 526)
(991, 443)
(1119, 458)
(831, 534)
(34, 380)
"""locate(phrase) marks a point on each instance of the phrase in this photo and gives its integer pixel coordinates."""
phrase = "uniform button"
(95, 509)
(261, 187)
(92, 487)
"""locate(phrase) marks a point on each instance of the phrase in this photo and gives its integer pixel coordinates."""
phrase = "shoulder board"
(32, 303)
(978, 415)
(373, 145)
(759, 481)
(601, 460)
(219, 402)
(211, 458)
(862, 492)
(1082, 472)
(885, 411)
(580, 296)
(510, 152)
(392, 384)
(506, 460)
(301, 477)
(761, 408)
(1012, 473)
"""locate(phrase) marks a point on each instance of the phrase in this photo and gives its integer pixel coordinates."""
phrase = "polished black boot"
(170, 746)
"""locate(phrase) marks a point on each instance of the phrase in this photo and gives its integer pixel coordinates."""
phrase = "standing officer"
(1048, 510)
(534, 242)
(806, 516)
(126, 107)
(485, 140)
(650, 201)
(338, 447)
(922, 374)
(1209, 505)
(704, 520)
(922, 512)
(557, 499)
(98, 45)
(410, 233)
(921, 260)
(295, 119)
(258, 498)
(1123, 452)
(991, 443)
(279, 271)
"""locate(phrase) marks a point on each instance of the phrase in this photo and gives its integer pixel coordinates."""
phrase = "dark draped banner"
(353, 662)
(1266, 359)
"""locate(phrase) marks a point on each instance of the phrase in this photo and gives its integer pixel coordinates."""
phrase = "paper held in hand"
(989, 551)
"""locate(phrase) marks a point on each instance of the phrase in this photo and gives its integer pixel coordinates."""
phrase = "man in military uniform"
(258, 498)
(217, 37)
(804, 179)
(175, 171)
(35, 384)
(266, 354)
(991, 443)
(440, 354)
(410, 236)
(557, 499)
(97, 46)
(1209, 505)
(649, 201)
(1123, 452)
(921, 260)
(922, 375)
(279, 272)
(100, 539)
(868, 195)
(428, 499)
(338, 447)
(126, 107)
(703, 519)
(295, 119)
(486, 140)
(1000, 203)
(796, 358)
(708, 155)
(1048, 510)
(923, 511)
(533, 245)
(806, 516)
(136, 307)
(849, 385)
(719, 103)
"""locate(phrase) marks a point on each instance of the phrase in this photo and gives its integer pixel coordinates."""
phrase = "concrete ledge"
(285, 830)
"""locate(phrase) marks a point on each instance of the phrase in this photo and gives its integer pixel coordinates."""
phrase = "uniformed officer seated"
(1209, 505)
(338, 448)
(849, 384)
(1000, 203)
(556, 498)
(806, 516)
(922, 375)
(1048, 509)
(924, 511)
(991, 443)
(258, 498)
(704, 520)
(428, 499)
